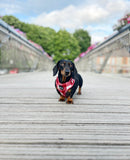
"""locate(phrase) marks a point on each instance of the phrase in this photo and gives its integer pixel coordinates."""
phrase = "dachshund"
(67, 81)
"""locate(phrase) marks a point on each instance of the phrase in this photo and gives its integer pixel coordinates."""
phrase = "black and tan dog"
(67, 81)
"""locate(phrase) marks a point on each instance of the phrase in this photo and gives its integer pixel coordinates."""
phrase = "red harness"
(64, 87)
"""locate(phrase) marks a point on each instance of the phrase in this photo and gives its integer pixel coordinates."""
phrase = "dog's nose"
(67, 71)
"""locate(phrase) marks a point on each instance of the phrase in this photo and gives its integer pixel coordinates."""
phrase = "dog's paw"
(69, 101)
(79, 93)
(62, 98)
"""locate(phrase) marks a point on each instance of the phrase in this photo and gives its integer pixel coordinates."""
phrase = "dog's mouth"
(66, 72)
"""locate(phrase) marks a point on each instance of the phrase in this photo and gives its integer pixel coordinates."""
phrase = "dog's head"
(65, 67)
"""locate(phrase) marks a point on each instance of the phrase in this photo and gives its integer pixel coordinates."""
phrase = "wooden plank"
(67, 117)
(46, 150)
(60, 107)
(63, 157)
(55, 101)
(60, 129)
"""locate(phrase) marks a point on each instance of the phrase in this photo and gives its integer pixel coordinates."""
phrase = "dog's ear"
(55, 69)
(74, 69)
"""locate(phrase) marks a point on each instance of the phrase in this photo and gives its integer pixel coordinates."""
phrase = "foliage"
(65, 46)
(43, 36)
(60, 45)
(83, 38)
(13, 21)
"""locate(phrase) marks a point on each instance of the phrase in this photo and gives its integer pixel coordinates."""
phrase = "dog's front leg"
(69, 98)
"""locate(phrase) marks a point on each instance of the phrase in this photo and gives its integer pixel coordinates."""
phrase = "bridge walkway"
(35, 126)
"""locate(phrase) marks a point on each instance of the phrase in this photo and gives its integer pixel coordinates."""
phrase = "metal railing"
(115, 51)
(17, 52)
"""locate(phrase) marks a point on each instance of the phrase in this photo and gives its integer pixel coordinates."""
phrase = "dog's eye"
(71, 65)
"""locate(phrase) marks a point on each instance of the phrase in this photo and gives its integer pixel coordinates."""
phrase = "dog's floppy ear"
(55, 69)
(74, 69)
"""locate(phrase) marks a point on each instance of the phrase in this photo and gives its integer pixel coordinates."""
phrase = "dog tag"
(60, 87)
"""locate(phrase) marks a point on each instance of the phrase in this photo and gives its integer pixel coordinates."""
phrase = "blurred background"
(36, 34)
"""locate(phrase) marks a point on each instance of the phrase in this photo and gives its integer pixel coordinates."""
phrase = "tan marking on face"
(63, 72)
(64, 68)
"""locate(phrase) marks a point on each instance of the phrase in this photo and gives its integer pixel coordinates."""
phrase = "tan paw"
(62, 98)
(69, 100)
(79, 92)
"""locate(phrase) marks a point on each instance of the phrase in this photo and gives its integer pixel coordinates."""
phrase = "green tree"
(43, 36)
(13, 21)
(65, 46)
(83, 38)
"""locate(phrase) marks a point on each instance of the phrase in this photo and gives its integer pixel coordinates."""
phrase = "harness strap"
(64, 87)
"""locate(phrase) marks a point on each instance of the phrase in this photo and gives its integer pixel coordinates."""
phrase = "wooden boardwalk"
(35, 126)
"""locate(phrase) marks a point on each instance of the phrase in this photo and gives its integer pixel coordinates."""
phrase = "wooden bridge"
(35, 126)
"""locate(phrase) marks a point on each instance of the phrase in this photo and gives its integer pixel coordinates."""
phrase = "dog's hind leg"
(80, 84)
(79, 91)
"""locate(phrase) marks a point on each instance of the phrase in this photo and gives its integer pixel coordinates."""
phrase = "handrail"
(127, 27)
(11, 30)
